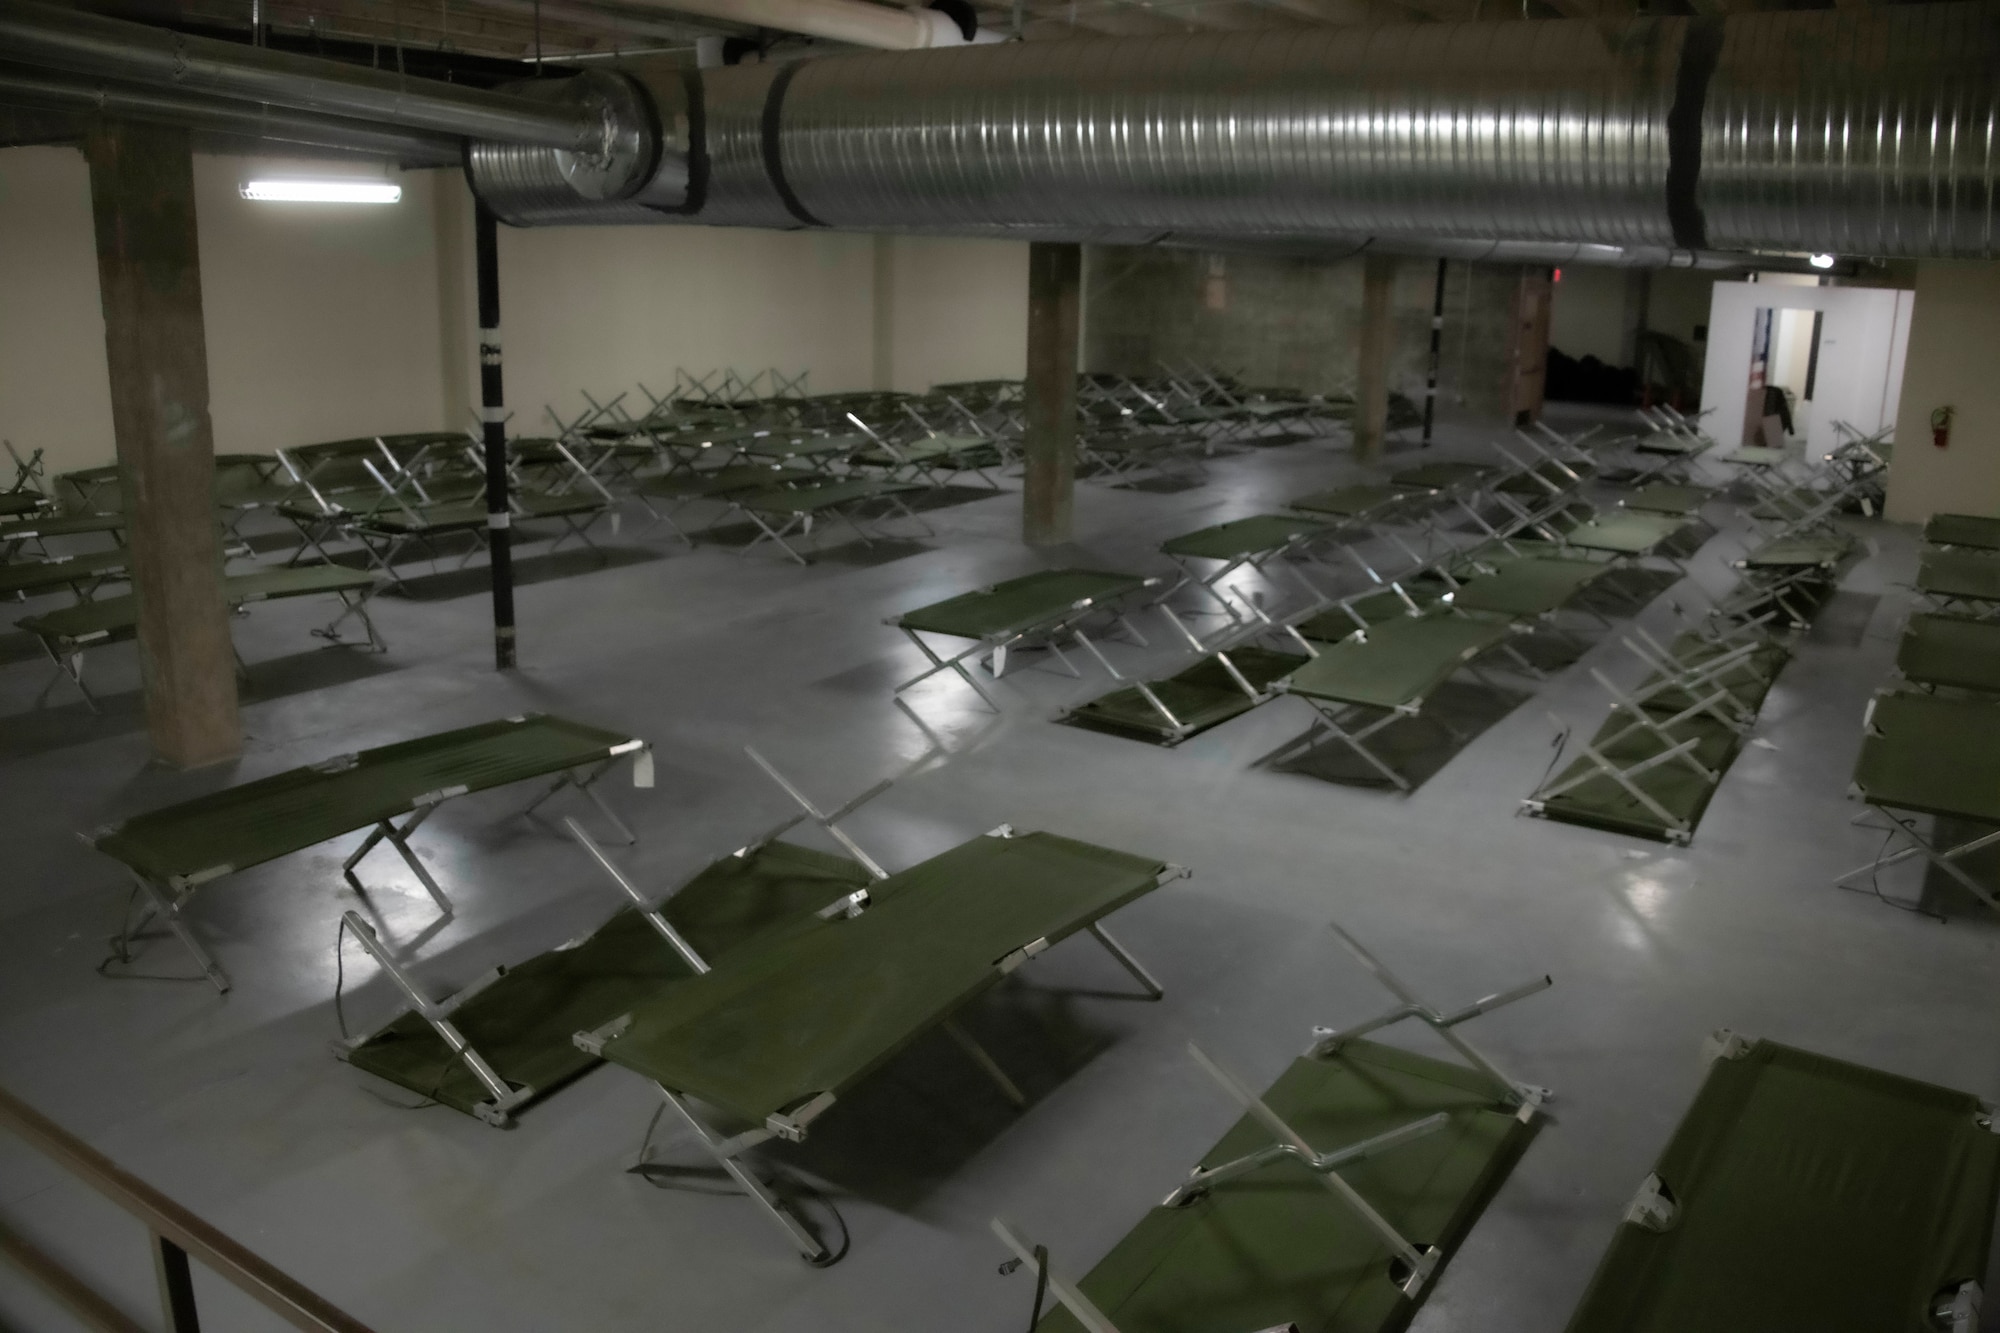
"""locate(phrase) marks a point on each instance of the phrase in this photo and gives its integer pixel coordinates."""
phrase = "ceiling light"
(1821, 261)
(323, 192)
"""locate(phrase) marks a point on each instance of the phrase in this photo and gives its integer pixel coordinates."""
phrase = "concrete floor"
(424, 1219)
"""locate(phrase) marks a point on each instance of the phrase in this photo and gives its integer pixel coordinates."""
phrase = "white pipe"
(856, 22)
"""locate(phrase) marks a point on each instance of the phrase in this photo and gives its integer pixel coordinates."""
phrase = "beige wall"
(326, 322)
(603, 309)
(1588, 314)
(55, 394)
(321, 322)
(1953, 334)
(960, 311)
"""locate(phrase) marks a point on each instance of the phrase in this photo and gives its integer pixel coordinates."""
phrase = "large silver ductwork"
(1872, 131)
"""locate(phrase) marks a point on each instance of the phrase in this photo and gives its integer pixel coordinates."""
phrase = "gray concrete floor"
(423, 1219)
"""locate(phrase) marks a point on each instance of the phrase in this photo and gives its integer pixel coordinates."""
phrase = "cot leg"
(981, 1057)
(167, 909)
(1118, 951)
(588, 786)
(1357, 742)
(1943, 860)
(807, 1244)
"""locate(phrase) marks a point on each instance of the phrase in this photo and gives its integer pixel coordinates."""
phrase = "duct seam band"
(774, 164)
(1701, 51)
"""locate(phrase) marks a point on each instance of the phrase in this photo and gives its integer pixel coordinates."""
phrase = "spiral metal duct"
(1860, 131)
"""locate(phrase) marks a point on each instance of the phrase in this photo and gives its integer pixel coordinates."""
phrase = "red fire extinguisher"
(1941, 425)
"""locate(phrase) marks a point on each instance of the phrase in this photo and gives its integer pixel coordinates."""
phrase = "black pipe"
(493, 415)
(1437, 352)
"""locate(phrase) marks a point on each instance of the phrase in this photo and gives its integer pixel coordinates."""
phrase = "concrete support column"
(149, 274)
(1371, 370)
(1055, 280)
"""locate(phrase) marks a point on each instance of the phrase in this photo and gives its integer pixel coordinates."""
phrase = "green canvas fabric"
(1350, 501)
(523, 1023)
(1666, 443)
(1545, 478)
(1605, 804)
(819, 1005)
(1937, 756)
(1800, 552)
(1275, 1247)
(1963, 530)
(13, 503)
(1243, 537)
(1955, 571)
(23, 577)
(247, 825)
(542, 504)
(800, 446)
(1375, 608)
(1752, 455)
(62, 525)
(686, 485)
(1439, 476)
(1811, 1194)
(1520, 589)
(1399, 662)
(1019, 604)
(1623, 532)
(1660, 497)
(1201, 697)
(118, 617)
(294, 581)
(458, 516)
(1955, 651)
(826, 495)
(1747, 682)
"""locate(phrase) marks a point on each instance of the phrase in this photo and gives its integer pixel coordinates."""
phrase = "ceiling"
(568, 31)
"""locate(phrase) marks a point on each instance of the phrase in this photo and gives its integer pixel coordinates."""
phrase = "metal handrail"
(177, 1235)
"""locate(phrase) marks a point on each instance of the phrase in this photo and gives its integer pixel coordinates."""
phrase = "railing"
(176, 1235)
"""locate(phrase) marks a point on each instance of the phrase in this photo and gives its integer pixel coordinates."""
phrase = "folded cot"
(1331, 1206)
(1034, 610)
(753, 1037)
(66, 634)
(1804, 1192)
(1229, 679)
(1926, 755)
(173, 851)
(1653, 766)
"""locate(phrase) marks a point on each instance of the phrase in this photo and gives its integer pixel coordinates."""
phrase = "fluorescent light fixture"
(1821, 261)
(323, 191)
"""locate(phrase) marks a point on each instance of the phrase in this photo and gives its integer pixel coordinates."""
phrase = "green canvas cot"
(1804, 1192)
(1332, 1205)
(1033, 610)
(1973, 530)
(172, 851)
(1924, 754)
(519, 1021)
(1958, 652)
(756, 1040)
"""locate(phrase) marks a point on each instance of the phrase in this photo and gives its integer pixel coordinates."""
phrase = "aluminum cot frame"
(794, 1124)
(1417, 1264)
(166, 896)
